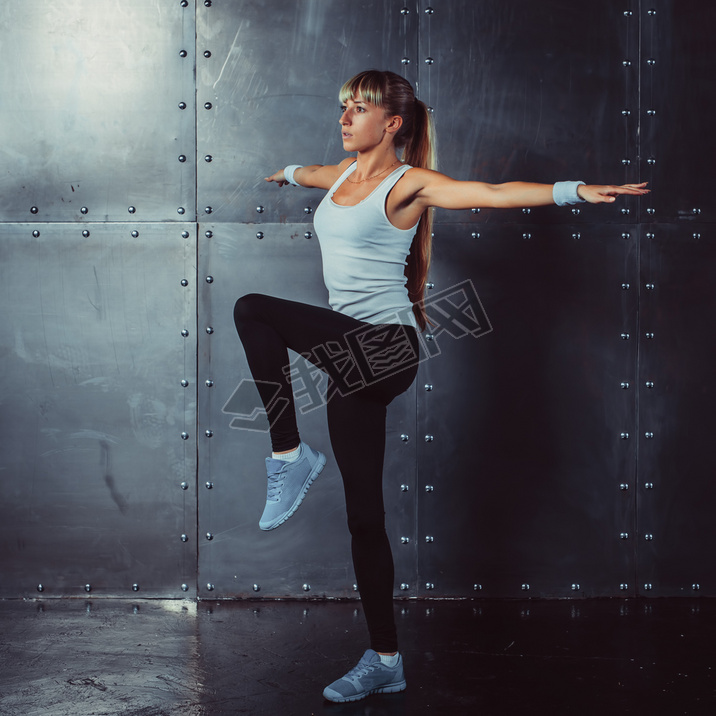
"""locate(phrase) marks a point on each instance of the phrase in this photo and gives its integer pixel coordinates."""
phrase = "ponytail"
(417, 139)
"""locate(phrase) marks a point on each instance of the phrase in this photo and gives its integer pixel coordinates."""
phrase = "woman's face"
(364, 125)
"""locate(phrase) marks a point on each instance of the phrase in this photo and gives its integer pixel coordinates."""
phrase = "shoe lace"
(275, 484)
(360, 670)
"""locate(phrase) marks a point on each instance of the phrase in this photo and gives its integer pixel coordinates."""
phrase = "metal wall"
(556, 440)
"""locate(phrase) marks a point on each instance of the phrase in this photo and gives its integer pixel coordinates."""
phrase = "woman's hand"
(597, 194)
(278, 177)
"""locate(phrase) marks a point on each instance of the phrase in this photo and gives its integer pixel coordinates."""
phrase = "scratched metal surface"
(92, 409)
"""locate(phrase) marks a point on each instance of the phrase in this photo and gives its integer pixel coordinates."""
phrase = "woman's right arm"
(316, 176)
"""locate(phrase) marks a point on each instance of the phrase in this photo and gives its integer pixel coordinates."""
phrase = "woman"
(376, 212)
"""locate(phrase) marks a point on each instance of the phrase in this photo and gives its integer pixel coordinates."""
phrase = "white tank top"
(364, 255)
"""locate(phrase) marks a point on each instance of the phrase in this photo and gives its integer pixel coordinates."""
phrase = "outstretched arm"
(439, 190)
(315, 176)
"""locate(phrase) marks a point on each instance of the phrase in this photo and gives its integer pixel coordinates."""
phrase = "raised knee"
(246, 308)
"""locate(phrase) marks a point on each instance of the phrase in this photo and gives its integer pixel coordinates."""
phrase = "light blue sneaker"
(369, 676)
(288, 483)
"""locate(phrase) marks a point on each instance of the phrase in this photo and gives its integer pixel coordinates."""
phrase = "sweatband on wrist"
(565, 192)
(288, 173)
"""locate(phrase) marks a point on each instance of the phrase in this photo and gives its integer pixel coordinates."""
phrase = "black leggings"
(367, 365)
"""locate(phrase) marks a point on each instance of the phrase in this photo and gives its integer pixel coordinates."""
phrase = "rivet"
(181, 210)
(650, 235)
(696, 211)
(649, 335)
(429, 539)
(134, 234)
(647, 587)
(626, 112)
(475, 211)
(527, 211)
(429, 488)
(651, 112)
(429, 60)
(651, 12)
(576, 211)
(651, 61)
(648, 436)
(404, 587)
(185, 538)
(256, 588)
(429, 11)
(308, 235)
(623, 587)
(209, 433)
(307, 210)
(625, 210)
(84, 210)
(183, 53)
(209, 329)
(33, 210)
(405, 11)
(648, 537)
(405, 61)
(209, 383)
(209, 536)
(429, 337)
(184, 332)
(475, 234)
(649, 485)
(649, 384)
(627, 13)
(131, 209)
(182, 157)
(428, 387)
(429, 285)
(259, 210)
(623, 535)
(207, 53)
(207, 3)
(184, 383)
(88, 587)
(209, 485)
(526, 235)
(185, 436)
(696, 236)
(429, 438)
(624, 436)
(525, 587)
(626, 63)
(259, 234)
(306, 587)
(85, 233)
(36, 234)
(184, 282)
(184, 485)
(207, 105)
(405, 437)
(210, 279)
(575, 587)
(650, 286)
(405, 540)
(40, 588)
(404, 488)
(626, 161)
(696, 587)
(624, 336)
(576, 235)
(477, 587)
(185, 587)
(625, 385)
(624, 486)
(651, 160)
(208, 158)
(355, 589)
(135, 587)
(626, 286)
(651, 210)
(210, 587)
(182, 105)
(209, 234)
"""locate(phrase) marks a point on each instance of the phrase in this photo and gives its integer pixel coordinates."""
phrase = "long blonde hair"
(416, 137)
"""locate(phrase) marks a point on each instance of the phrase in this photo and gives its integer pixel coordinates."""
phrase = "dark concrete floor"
(179, 658)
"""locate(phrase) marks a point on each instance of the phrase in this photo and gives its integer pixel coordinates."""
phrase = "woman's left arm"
(439, 190)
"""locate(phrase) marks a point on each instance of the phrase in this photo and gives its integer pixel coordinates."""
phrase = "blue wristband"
(565, 192)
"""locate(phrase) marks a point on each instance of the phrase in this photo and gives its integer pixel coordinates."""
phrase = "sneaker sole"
(315, 472)
(391, 689)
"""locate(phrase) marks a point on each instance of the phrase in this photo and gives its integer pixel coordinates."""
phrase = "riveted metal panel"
(313, 547)
(677, 493)
(90, 123)
(521, 487)
(271, 82)
(93, 409)
(678, 101)
(534, 92)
